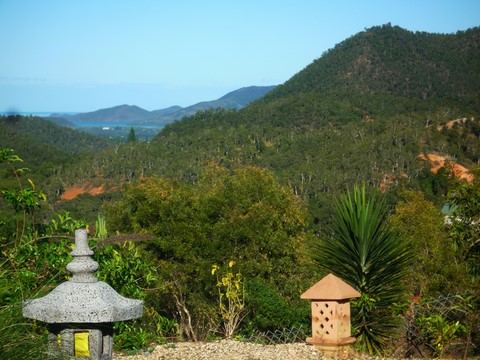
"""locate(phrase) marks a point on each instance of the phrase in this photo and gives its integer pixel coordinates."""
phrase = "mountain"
(46, 147)
(361, 113)
(59, 120)
(33, 130)
(165, 112)
(233, 100)
(132, 114)
(391, 60)
(121, 114)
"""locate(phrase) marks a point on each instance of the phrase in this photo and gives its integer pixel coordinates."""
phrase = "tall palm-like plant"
(366, 253)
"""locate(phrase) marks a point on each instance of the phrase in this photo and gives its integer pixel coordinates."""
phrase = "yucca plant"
(364, 251)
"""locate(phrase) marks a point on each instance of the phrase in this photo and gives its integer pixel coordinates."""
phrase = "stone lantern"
(330, 314)
(80, 313)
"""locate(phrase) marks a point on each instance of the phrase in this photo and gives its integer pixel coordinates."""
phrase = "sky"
(85, 55)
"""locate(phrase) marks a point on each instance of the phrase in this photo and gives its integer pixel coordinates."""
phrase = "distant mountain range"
(135, 115)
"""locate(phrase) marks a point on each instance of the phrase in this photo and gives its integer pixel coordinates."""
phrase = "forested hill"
(39, 141)
(363, 112)
(391, 60)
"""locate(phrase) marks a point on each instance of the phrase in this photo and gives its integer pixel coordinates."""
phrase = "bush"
(129, 269)
(270, 311)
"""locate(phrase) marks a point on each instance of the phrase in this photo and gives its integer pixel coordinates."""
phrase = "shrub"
(365, 252)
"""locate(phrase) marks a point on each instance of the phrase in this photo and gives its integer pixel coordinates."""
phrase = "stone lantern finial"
(82, 267)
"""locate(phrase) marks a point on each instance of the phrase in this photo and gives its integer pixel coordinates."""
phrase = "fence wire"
(283, 336)
(450, 307)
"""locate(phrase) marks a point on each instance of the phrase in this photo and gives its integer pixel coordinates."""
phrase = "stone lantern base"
(331, 348)
(95, 341)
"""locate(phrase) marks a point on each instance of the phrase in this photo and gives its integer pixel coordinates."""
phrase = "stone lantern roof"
(330, 288)
(82, 299)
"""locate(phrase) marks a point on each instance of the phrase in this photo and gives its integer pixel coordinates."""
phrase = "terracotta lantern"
(330, 302)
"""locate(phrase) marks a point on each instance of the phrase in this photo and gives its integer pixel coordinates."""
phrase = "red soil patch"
(449, 125)
(438, 161)
(76, 190)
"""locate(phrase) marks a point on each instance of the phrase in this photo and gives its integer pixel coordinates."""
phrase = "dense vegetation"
(258, 186)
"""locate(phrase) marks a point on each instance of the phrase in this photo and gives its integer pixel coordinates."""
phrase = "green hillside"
(362, 112)
(40, 131)
(47, 148)
(391, 60)
(257, 187)
(336, 122)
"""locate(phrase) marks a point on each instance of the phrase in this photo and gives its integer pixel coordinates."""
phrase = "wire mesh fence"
(283, 336)
(417, 331)
(442, 324)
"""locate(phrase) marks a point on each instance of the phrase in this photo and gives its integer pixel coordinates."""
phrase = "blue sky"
(84, 55)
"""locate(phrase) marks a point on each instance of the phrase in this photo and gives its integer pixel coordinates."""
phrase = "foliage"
(126, 268)
(439, 332)
(268, 310)
(366, 253)
(22, 197)
(19, 339)
(133, 274)
(470, 306)
(34, 262)
(131, 135)
(24, 254)
(465, 223)
(231, 298)
(26, 199)
(444, 325)
(37, 261)
(243, 214)
(436, 269)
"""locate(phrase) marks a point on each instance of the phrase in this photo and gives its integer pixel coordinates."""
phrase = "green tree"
(131, 135)
(364, 251)
(242, 214)
(465, 223)
(23, 198)
(436, 269)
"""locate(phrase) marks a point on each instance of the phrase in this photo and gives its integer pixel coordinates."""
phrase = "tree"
(241, 214)
(436, 269)
(131, 135)
(465, 223)
(364, 251)
(23, 198)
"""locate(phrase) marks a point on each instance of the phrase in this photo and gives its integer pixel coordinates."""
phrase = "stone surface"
(72, 302)
(82, 299)
(237, 350)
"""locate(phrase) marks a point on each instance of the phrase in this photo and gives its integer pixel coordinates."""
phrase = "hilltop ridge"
(391, 60)
(135, 115)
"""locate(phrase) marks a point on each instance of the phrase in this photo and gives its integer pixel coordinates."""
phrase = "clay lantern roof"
(330, 288)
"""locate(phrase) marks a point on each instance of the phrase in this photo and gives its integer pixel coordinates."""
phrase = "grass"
(20, 338)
